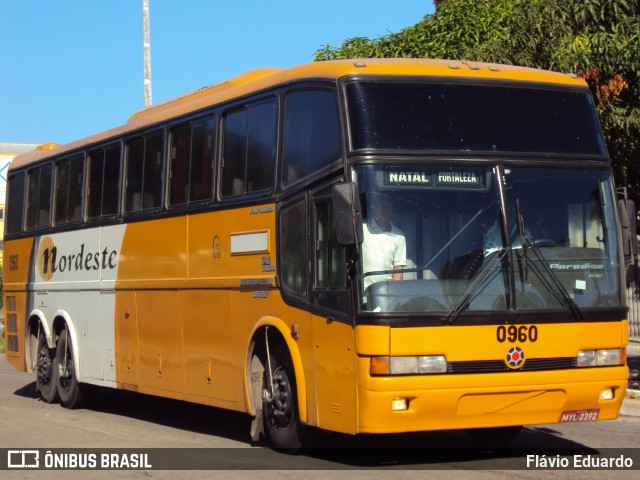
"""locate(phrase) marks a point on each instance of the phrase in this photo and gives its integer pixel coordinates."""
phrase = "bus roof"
(257, 80)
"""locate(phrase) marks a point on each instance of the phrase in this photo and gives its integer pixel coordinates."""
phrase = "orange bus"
(359, 246)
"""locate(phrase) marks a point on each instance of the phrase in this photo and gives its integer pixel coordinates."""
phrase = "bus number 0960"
(513, 333)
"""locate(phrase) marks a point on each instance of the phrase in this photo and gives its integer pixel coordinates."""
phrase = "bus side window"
(191, 162)
(111, 182)
(96, 174)
(68, 189)
(39, 196)
(15, 212)
(135, 163)
(261, 150)
(104, 180)
(293, 248)
(179, 164)
(144, 172)
(330, 274)
(202, 152)
(311, 133)
(152, 187)
(234, 153)
(249, 149)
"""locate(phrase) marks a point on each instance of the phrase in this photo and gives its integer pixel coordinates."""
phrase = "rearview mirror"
(627, 211)
(348, 213)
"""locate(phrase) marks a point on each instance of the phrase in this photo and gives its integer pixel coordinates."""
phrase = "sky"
(72, 68)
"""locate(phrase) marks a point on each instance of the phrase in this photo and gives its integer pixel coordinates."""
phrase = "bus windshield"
(453, 239)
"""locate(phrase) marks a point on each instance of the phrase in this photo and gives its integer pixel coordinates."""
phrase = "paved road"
(137, 422)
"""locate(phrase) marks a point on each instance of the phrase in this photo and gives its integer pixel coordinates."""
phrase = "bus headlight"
(432, 364)
(409, 365)
(601, 358)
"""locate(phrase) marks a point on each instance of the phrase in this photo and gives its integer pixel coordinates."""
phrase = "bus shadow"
(28, 391)
(449, 449)
(162, 411)
(171, 413)
(434, 450)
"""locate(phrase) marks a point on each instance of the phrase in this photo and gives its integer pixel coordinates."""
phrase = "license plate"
(586, 415)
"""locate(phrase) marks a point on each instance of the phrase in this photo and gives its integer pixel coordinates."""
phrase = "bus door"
(333, 331)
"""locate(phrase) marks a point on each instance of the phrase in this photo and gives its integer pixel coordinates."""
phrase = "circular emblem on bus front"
(515, 358)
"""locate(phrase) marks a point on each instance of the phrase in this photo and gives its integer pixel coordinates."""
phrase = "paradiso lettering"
(51, 261)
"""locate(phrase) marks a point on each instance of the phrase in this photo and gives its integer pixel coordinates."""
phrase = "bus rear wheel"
(281, 420)
(45, 373)
(64, 365)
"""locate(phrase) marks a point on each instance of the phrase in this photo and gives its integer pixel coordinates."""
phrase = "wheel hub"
(280, 406)
(44, 366)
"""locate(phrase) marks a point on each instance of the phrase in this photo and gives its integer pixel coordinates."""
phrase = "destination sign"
(431, 178)
(408, 178)
(459, 178)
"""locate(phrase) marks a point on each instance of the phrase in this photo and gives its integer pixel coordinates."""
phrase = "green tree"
(598, 40)
(457, 27)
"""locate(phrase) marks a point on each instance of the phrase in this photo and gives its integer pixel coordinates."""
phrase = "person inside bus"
(492, 238)
(384, 247)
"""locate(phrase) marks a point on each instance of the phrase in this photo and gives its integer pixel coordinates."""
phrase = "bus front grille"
(498, 366)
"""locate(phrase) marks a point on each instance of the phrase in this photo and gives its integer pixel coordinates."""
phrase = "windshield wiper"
(477, 283)
(550, 280)
(523, 242)
(559, 291)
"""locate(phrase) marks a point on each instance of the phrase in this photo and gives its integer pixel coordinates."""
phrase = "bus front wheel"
(45, 377)
(64, 365)
(280, 409)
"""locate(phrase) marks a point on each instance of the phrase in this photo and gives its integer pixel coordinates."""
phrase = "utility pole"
(147, 53)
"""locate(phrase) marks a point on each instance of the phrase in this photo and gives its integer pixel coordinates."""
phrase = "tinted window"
(144, 172)
(249, 149)
(135, 164)
(152, 184)
(96, 174)
(192, 149)
(104, 178)
(261, 150)
(234, 155)
(293, 245)
(202, 153)
(15, 207)
(68, 190)
(330, 255)
(111, 184)
(463, 117)
(180, 155)
(331, 276)
(311, 135)
(39, 196)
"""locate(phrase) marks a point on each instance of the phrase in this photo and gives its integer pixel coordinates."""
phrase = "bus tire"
(67, 383)
(281, 419)
(46, 384)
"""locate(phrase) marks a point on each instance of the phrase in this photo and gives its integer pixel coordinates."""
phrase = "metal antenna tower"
(147, 53)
